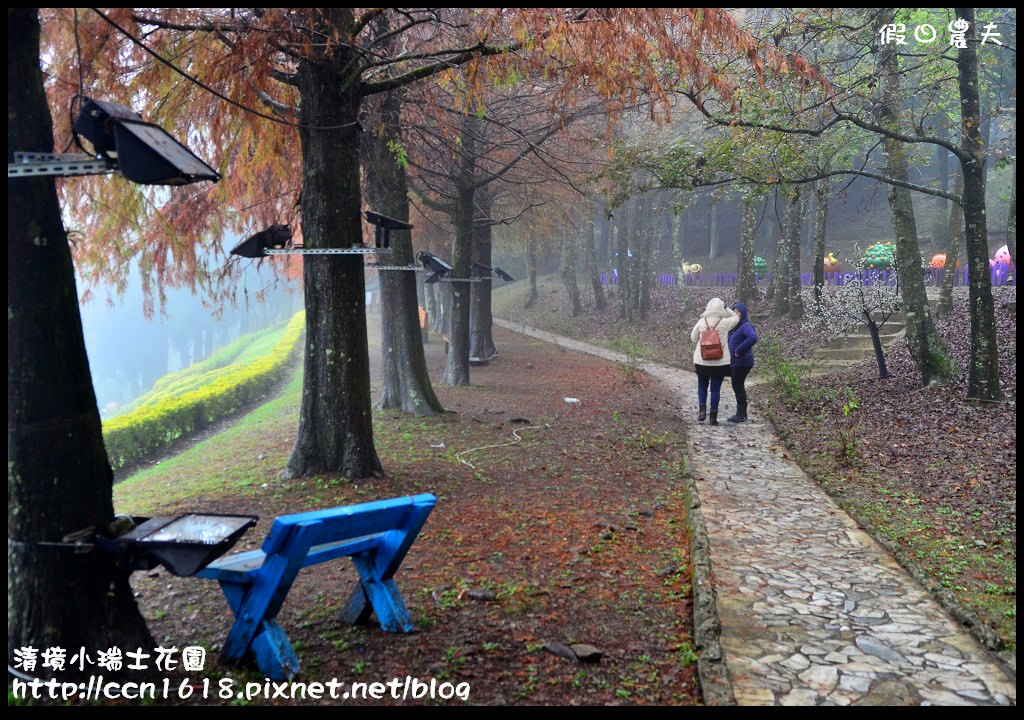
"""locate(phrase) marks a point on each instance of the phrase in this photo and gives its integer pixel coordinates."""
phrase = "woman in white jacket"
(711, 372)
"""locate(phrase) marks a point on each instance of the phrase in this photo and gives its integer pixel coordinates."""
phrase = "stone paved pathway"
(813, 610)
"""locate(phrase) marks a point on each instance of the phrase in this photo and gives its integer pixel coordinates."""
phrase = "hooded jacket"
(742, 340)
(727, 320)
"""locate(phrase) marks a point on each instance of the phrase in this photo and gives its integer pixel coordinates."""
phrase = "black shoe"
(713, 418)
(741, 414)
(703, 413)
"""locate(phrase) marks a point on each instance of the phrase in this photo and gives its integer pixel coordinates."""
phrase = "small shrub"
(782, 376)
(846, 431)
(631, 368)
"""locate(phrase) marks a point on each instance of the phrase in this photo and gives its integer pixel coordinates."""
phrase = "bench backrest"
(396, 521)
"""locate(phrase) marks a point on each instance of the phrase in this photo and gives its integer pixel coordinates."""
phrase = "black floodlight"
(384, 226)
(145, 153)
(184, 544)
(255, 246)
(432, 262)
(486, 271)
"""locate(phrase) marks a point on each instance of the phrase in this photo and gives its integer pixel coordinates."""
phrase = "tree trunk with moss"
(531, 268)
(1011, 221)
(590, 261)
(58, 478)
(481, 319)
(622, 261)
(568, 269)
(405, 382)
(820, 226)
(336, 416)
(456, 369)
(746, 284)
(644, 274)
(787, 264)
(983, 373)
(956, 225)
(930, 354)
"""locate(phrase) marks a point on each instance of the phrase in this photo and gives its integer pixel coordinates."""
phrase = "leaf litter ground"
(574, 535)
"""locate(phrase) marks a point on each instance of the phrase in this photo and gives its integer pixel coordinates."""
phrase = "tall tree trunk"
(942, 178)
(1011, 220)
(788, 256)
(983, 374)
(746, 283)
(679, 253)
(433, 307)
(930, 354)
(956, 225)
(665, 240)
(531, 268)
(645, 272)
(776, 244)
(796, 301)
(58, 478)
(456, 369)
(568, 268)
(481, 322)
(405, 382)
(820, 226)
(590, 261)
(336, 419)
(622, 261)
(713, 231)
(605, 236)
(637, 230)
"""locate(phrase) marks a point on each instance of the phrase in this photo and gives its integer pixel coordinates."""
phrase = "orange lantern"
(939, 261)
(831, 263)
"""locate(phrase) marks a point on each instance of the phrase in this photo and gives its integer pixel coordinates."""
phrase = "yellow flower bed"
(137, 433)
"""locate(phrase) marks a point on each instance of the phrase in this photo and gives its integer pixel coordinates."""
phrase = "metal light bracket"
(29, 164)
(331, 251)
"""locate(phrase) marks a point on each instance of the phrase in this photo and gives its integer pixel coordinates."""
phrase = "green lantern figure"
(880, 256)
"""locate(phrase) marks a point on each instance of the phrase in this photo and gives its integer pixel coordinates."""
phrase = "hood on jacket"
(716, 309)
(742, 310)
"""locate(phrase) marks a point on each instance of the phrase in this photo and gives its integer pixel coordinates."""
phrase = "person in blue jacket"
(741, 359)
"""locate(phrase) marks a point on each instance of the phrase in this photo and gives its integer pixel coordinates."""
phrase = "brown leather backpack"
(711, 342)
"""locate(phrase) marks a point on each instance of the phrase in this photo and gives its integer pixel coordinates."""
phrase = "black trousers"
(739, 376)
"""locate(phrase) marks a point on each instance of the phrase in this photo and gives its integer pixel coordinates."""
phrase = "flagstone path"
(813, 611)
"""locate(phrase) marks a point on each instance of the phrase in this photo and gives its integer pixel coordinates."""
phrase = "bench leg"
(273, 652)
(357, 608)
(270, 648)
(385, 598)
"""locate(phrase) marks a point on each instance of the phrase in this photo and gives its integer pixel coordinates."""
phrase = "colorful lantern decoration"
(1002, 256)
(760, 266)
(938, 261)
(831, 263)
(880, 256)
(690, 269)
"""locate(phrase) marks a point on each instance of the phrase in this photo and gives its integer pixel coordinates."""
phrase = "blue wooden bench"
(376, 535)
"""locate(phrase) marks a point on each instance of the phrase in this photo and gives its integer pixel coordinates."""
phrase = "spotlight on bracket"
(384, 226)
(255, 246)
(435, 264)
(486, 271)
(143, 152)
(184, 544)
